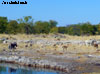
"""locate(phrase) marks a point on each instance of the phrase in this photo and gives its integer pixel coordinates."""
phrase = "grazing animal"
(54, 45)
(58, 39)
(13, 45)
(64, 47)
(95, 45)
(4, 42)
(7, 38)
(31, 45)
(90, 42)
(26, 45)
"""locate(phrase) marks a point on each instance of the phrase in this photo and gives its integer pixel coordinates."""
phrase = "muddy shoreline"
(23, 61)
(70, 67)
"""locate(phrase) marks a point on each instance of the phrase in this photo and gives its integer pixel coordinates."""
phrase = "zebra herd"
(92, 42)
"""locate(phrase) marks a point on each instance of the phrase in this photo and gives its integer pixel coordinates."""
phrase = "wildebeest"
(92, 42)
(13, 45)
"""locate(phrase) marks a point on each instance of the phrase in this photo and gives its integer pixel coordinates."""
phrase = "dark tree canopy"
(28, 26)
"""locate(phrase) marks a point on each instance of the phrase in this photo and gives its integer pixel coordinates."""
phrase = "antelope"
(64, 47)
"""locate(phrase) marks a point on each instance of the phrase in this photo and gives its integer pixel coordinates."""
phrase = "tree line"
(27, 25)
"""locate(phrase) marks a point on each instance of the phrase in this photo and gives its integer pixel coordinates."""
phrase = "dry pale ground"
(68, 37)
(91, 73)
(79, 50)
(74, 48)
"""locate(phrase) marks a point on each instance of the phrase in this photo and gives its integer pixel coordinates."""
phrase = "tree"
(42, 27)
(26, 24)
(21, 28)
(62, 30)
(74, 29)
(3, 24)
(87, 28)
(54, 30)
(53, 23)
(97, 29)
(12, 27)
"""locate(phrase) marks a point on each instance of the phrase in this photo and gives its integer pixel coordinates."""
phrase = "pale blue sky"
(63, 11)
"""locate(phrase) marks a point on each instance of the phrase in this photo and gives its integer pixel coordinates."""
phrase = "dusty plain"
(70, 51)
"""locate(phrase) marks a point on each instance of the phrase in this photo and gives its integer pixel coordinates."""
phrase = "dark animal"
(13, 45)
(54, 45)
(26, 45)
(95, 45)
(7, 38)
(31, 45)
(58, 39)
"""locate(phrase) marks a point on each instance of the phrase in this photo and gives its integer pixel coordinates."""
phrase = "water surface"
(12, 69)
(6, 68)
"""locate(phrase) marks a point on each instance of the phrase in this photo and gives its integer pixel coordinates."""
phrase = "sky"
(65, 12)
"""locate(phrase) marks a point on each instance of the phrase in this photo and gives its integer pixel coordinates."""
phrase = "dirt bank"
(69, 63)
(65, 53)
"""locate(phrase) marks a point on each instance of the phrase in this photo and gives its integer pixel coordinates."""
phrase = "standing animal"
(90, 42)
(30, 44)
(58, 39)
(13, 45)
(64, 47)
(54, 45)
(95, 44)
(4, 42)
(26, 46)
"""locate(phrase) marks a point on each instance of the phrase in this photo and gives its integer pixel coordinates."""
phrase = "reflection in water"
(2, 69)
(9, 70)
(6, 68)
